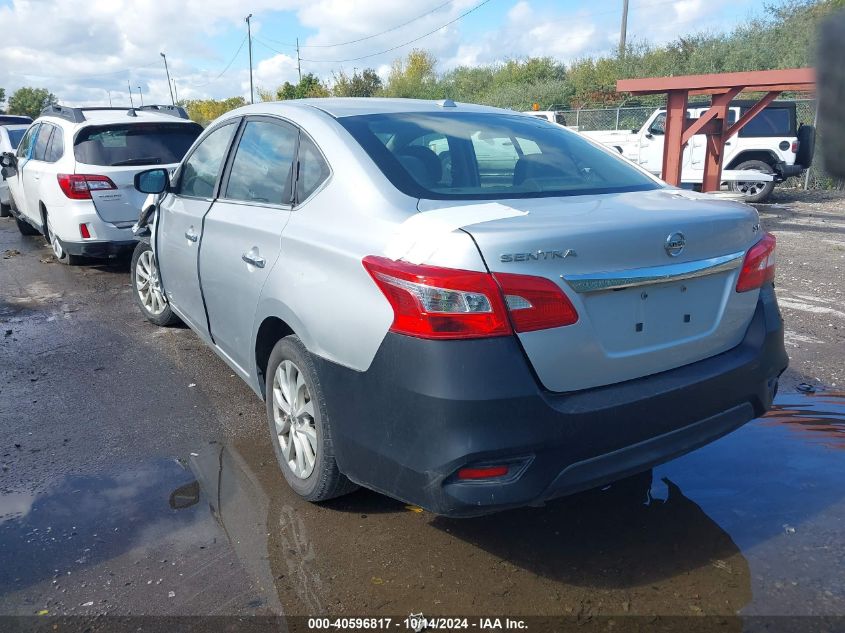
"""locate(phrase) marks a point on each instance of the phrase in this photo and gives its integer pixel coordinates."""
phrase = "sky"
(90, 52)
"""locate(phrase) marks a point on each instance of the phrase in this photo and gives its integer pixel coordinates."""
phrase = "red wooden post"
(673, 149)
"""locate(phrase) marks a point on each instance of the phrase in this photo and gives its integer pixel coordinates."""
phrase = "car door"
(33, 171)
(243, 231)
(15, 181)
(180, 221)
(651, 144)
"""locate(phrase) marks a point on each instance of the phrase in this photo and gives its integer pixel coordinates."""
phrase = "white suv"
(71, 178)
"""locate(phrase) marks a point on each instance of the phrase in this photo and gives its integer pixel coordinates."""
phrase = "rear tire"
(26, 228)
(754, 191)
(59, 252)
(5, 210)
(147, 289)
(299, 424)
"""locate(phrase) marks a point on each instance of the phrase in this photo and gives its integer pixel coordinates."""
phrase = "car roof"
(111, 117)
(340, 107)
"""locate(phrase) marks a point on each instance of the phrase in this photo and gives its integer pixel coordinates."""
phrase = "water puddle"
(750, 524)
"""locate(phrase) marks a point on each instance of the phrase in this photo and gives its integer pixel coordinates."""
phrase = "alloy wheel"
(147, 284)
(293, 414)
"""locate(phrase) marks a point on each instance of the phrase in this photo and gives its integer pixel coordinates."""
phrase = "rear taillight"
(444, 303)
(759, 265)
(794, 147)
(535, 303)
(84, 233)
(80, 186)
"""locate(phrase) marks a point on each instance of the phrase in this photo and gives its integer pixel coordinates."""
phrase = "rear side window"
(42, 142)
(313, 169)
(135, 144)
(56, 147)
(771, 122)
(261, 170)
(199, 173)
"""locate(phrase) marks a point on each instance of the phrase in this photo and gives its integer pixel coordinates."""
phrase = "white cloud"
(81, 49)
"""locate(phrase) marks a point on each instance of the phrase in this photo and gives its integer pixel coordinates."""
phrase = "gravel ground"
(810, 228)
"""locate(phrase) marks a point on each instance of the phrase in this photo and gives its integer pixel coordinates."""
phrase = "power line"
(393, 48)
(225, 70)
(368, 37)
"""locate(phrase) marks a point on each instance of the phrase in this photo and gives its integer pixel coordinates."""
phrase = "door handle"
(191, 235)
(252, 257)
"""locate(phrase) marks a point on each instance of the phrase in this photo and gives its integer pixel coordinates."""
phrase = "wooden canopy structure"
(724, 87)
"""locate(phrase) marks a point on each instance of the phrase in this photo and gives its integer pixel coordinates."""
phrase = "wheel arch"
(42, 210)
(271, 331)
(762, 155)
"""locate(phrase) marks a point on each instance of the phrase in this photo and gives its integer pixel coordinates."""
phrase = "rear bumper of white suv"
(106, 239)
(426, 409)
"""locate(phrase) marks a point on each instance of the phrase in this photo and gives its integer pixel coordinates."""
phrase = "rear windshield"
(135, 144)
(771, 122)
(460, 156)
(15, 136)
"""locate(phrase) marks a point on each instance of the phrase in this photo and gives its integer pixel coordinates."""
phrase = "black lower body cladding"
(99, 249)
(426, 408)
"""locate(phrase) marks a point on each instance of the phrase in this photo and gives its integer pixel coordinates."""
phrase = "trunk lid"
(123, 204)
(608, 253)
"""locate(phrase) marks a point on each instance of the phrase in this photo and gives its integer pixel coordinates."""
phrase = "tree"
(204, 111)
(414, 77)
(2, 97)
(367, 84)
(309, 86)
(30, 101)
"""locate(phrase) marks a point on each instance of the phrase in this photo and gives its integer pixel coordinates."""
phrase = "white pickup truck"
(771, 145)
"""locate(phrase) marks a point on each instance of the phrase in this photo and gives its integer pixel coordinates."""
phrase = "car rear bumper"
(99, 248)
(424, 409)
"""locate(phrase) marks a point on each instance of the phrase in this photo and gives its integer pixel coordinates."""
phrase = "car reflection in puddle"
(702, 534)
(750, 524)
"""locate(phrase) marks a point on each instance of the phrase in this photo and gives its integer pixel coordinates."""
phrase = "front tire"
(147, 289)
(754, 191)
(299, 424)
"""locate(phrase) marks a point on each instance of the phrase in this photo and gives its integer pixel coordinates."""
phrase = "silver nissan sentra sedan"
(462, 307)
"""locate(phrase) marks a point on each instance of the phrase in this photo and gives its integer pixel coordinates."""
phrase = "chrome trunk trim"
(615, 280)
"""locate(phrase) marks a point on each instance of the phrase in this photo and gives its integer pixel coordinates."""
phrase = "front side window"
(313, 169)
(199, 173)
(26, 143)
(42, 141)
(261, 170)
(446, 156)
(135, 143)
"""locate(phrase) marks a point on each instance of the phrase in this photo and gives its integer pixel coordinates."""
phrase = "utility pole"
(109, 91)
(141, 94)
(164, 57)
(131, 101)
(623, 32)
(298, 61)
(249, 35)
(175, 91)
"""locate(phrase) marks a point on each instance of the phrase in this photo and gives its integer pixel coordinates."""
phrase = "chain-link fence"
(632, 118)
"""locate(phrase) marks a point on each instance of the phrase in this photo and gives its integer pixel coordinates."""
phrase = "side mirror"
(8, 165)
(152, 181)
